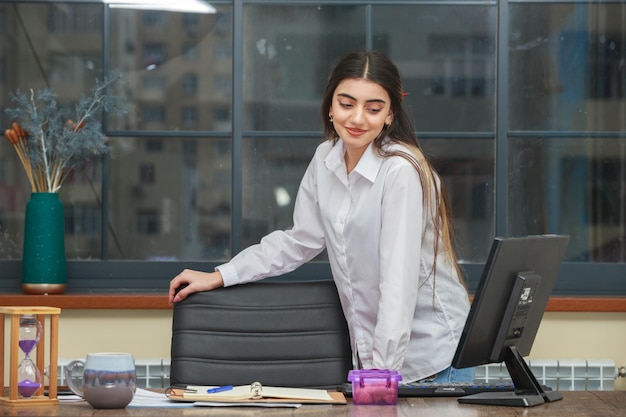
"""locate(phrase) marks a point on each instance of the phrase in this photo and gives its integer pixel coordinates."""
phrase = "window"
(79, 18)
(461, 65)
(154, 54)
(189, 116)
(154, 145)
(606, 58)
(227, 110)
(223, 51)
(221, 115)
(146, 174)
(189, 84)
(148, 222)
(153, 114)
(223, 84)
(83, 220)
(191, 23)
(154, 19)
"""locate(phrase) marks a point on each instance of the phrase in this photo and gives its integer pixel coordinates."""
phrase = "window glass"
(466, 166)
(189, 84)
(446, 56)
(166, 73)
(573, 186)
(564, 183)
(170, 199)
(289, 52)
(272, 170)
(81, 195)
(74, 18)
(567, 66)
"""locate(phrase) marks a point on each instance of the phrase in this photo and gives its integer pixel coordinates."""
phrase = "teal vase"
(43, 260)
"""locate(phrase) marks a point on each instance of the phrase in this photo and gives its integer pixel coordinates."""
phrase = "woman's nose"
(357, 115)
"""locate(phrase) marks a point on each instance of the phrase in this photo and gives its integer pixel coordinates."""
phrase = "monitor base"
(528, 392)
(511, 399)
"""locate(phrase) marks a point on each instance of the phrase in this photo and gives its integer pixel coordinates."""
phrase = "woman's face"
(359, 109)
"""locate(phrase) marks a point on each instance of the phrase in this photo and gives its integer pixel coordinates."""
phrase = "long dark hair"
(377, 67)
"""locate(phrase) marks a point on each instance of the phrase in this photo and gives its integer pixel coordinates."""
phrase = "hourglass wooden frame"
(52, 313)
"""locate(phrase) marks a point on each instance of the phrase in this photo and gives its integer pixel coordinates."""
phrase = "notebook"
(254, 393)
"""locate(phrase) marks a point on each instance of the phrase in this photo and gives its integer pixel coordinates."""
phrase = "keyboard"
(450, 389)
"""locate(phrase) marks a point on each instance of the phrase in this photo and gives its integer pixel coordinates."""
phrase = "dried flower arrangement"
(49, 144)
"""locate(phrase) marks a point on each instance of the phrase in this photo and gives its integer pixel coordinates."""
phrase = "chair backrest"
(280, 333)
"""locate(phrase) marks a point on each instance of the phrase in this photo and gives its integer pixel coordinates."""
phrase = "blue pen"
(219, 389)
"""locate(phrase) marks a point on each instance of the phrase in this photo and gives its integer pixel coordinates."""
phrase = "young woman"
(374, 202)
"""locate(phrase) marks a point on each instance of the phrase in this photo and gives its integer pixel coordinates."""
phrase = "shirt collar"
(334, 159)
(368, 165)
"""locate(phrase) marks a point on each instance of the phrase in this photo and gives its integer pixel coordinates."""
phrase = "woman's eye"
(345, 105)
(374, 110)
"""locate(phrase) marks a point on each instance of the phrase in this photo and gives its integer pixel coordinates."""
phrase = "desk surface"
(574, 404)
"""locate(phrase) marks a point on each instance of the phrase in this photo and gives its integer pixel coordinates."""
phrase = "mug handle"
(68, 377)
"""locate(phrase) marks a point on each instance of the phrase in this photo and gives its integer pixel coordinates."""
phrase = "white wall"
(147, 333)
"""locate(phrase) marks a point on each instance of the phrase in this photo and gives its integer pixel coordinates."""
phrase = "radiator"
(558, 374)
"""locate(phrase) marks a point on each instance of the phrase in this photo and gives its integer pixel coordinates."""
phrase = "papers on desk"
(142, 398)
(145, 398)
(294, 398)
(246, 404)
(253, 394)
(69, 398)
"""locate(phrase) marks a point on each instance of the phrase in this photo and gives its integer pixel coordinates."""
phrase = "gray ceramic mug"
(109, 379)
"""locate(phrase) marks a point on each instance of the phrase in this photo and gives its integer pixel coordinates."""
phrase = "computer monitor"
(508, 306)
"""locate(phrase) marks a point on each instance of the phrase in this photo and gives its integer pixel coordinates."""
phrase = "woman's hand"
(195, 281)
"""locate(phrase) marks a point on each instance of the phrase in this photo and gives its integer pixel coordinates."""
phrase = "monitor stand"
(528, 392)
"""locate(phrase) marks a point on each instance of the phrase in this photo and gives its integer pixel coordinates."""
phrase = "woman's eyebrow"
(374, 100)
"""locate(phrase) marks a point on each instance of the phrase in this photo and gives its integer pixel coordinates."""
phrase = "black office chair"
(283, 333)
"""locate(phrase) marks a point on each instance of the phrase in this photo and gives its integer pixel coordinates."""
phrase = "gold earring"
(330, 118)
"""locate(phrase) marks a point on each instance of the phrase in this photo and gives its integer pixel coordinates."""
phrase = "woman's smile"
(353, 131)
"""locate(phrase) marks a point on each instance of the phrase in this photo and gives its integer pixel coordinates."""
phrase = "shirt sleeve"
(282, 251)
(400, 249)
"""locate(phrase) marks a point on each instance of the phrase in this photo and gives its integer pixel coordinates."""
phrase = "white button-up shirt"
(380, 243)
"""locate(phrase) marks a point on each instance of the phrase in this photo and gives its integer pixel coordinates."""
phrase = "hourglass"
(28, 339)
(28, 376)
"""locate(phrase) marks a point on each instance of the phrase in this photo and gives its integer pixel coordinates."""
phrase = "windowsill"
(159, 302)
(90, 301)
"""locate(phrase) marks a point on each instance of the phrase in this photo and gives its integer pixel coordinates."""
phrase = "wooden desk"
(574, 404)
